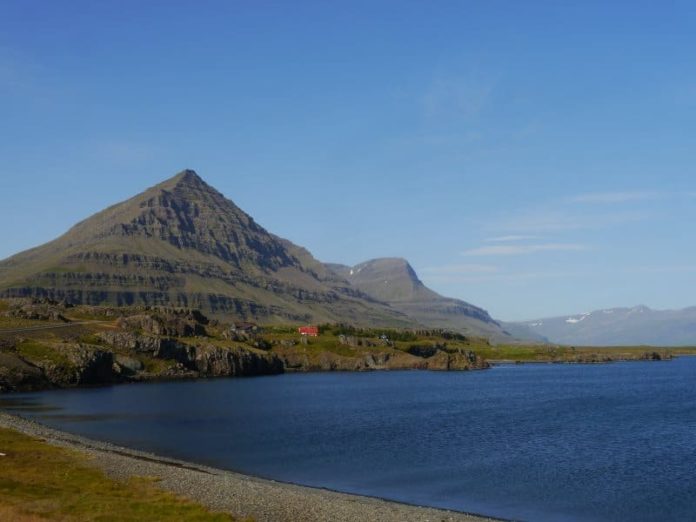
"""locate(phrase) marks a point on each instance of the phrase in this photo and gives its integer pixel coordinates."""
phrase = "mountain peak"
(186, 178)
(389, 279)
(394, 281)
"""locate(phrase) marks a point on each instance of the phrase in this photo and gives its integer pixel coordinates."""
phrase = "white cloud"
(500, 277)
(510, 238)
(546, 221)
(617, 197)
(668, 269)
(460, 269)
(513, 250)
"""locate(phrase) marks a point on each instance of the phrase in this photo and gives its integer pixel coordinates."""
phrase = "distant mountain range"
(615, 326)
(182, 243)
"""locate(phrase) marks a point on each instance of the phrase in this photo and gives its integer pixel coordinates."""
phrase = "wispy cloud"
(514, 250)
(460, 269)
(557, 220)
(510, 238)
(445, 277)
(667, 269)
(618, 197)
(449, 274)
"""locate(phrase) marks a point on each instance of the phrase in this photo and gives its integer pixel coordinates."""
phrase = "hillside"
(394, 281)
(619, 326)
(182, 243)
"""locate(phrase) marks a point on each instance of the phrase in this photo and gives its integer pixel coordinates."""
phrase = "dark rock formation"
(216, 361)
(17, 374)
(167, 323)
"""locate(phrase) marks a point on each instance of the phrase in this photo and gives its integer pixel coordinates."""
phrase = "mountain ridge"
(636, 325)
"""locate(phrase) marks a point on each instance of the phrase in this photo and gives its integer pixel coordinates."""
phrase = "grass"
(18, 322)
(90, 338)
(42, 482)
(531, 353)
(156, 366)
(80, 314)
(328, 341)
(35, 351)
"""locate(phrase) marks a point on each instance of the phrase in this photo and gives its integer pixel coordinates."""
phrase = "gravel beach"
(241, 495)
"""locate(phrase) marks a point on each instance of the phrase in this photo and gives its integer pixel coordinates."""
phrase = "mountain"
(393, 281)
(639, 325)
(182, 243)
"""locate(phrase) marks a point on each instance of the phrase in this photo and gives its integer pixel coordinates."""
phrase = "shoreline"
(232, 492)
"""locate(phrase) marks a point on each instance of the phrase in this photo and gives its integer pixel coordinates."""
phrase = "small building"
(310, 331)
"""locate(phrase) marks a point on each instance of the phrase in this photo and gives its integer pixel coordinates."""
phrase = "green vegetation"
(281, 329)
(33, 350)
(156, 366)
(90, 338)
(555, 353)
(43, 482)
(391, 333)
(18, 322)
(89, 314)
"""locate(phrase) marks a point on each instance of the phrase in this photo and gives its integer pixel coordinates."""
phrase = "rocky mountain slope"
(182, 243)
(393, 281)
(638, 325)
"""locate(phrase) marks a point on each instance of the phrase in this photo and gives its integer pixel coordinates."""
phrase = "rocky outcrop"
(168, 323)
(300, 360)
(458, 360)
(81, 364)
(17, 374)
(206, 359)
(593, 357)
(233, 362)
(656, 356)
(127, 366)
(36, 310)
(424, 350)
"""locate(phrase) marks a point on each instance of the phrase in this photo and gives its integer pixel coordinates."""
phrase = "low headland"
(46, 344)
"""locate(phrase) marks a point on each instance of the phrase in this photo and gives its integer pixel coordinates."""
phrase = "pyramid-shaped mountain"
(182, 243)
(395, 282)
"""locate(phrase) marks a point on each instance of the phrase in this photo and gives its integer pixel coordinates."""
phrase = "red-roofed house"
(311, 331)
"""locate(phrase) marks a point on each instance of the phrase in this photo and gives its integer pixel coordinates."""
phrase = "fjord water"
(530, 442)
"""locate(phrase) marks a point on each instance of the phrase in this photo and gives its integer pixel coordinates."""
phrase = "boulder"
(127, 365)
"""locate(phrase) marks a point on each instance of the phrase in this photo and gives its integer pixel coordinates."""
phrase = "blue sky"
(534, 158)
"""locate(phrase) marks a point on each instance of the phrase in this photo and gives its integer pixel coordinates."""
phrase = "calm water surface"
(530, 442)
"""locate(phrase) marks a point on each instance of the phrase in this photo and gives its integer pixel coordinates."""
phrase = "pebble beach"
(235, 493)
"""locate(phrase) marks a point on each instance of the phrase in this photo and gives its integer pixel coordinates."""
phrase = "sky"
(532, 158)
